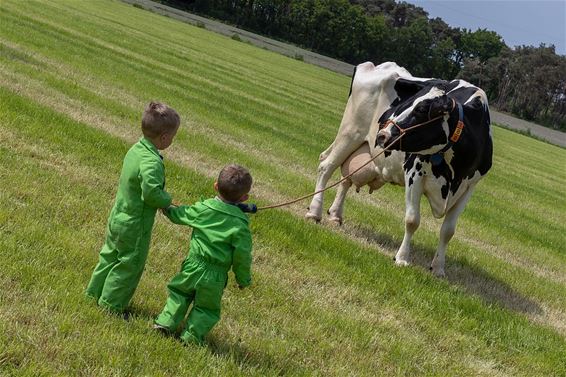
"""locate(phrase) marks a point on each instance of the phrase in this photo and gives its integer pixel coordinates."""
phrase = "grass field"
(74, 79)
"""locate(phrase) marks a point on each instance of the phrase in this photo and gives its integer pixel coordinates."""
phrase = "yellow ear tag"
(457, 132)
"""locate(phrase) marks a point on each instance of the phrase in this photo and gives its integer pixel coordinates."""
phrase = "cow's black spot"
(411, 181)
(409, 162)
(453, 84)
(420, 174)
(463, 94)
(418, 166)
(455, 184)
(387, 154)
(444, 191)
(441, 170)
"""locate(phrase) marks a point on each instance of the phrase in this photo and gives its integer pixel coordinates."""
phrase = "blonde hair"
(234, 181)
(158, 118)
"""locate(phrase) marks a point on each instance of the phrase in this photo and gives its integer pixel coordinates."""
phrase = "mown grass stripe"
(214, 107)
(225, 67)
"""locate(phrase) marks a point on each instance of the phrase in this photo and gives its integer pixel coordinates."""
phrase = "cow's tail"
(352, 82)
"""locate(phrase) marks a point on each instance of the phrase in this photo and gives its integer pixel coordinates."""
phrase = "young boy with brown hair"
(221, 240)
(140, 193)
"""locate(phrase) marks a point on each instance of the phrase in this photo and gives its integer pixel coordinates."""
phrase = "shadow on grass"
(253, 359)
(219, 347)
(137, 311)
(472, 278)
(239, 353)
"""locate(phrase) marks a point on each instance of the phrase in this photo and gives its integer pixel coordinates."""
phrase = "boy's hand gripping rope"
(327, 187)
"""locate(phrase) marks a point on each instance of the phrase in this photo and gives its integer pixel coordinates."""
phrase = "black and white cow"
(447, 140)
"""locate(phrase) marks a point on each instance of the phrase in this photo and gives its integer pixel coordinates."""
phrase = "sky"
(519, 22)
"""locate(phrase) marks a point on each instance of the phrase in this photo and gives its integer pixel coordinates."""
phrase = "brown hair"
(158, 118)
(234, 181)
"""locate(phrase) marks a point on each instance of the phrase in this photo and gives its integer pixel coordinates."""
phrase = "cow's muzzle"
(387, 137)
(382, 138)
(387, 134)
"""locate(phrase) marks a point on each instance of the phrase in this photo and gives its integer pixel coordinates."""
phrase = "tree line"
(527, 81)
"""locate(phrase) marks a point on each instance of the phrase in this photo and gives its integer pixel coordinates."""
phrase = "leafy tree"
(529, 82)
(377, 36)
(481, 44)
(410, 46)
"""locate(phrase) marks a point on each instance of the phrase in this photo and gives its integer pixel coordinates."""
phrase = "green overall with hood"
(221, 240)
(122, 258)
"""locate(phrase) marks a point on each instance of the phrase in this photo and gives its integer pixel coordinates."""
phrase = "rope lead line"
(334, 184)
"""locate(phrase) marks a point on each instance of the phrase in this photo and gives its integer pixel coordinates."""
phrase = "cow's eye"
(420, 109)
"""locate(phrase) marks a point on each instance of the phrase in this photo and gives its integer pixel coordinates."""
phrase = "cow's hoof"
(314, 217)
(336, 220)
(401, 262)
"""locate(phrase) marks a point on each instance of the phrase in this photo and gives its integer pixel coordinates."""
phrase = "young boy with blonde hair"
(140, 193)
(221, 240)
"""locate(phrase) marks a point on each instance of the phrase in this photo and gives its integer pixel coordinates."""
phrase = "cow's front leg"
(336, 211)
(413, 193)
(447, 231)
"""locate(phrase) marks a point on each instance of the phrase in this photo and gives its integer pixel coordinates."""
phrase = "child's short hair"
(234, 181)
(158, 118)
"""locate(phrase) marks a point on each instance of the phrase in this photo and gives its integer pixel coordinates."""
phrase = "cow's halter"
(453, 139)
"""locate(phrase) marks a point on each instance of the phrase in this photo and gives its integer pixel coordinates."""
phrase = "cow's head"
(422, 119)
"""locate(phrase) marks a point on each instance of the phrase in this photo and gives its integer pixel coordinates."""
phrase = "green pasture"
(74, 79)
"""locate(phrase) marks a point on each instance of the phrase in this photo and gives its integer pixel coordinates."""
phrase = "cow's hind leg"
(336, 211)
(337, 156)
(325, 154)
(413, 193)
(447, 231)
(325, 170)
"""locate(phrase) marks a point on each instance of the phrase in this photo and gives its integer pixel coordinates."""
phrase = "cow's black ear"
(447, 103)
(406, 88)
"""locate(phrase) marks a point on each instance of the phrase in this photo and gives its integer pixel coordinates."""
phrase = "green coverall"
(221, 239)
(122, 258)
